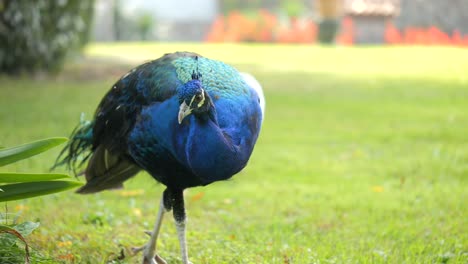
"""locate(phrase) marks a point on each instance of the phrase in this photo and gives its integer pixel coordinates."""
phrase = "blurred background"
(41, 34)
(290, 21)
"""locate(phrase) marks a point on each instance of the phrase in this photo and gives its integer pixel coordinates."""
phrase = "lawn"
(363, 158)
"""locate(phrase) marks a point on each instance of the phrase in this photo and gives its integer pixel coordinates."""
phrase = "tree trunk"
(329, 11)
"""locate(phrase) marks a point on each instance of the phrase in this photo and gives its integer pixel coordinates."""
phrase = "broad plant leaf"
(10, 177)
(10, 155)
(24, 190)
(26, 228)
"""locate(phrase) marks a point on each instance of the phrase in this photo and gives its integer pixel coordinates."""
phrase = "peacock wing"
(111, 163)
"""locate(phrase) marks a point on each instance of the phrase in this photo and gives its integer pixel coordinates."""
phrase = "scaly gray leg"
(179, 217)
(149, 254)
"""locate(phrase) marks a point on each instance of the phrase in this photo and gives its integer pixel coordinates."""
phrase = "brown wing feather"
(106, 171)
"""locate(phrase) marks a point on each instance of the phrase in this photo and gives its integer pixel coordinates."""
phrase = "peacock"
(185, 119)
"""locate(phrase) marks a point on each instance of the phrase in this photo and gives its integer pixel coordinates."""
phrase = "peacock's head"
(193, 98)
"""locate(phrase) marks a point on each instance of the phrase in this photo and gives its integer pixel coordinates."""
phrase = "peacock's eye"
(198, 97)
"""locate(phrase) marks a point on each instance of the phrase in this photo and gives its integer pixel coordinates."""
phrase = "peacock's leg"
(179, 217)
(149, 254)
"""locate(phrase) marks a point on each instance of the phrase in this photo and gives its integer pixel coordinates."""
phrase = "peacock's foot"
(155, 260)
(148, 259)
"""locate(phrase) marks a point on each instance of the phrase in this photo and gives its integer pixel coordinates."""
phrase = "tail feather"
(104, 170)
(78, 149)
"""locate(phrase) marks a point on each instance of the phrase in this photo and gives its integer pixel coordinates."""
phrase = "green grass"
(363, 158)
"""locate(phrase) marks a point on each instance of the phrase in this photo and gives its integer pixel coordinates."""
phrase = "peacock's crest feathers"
(216, 76)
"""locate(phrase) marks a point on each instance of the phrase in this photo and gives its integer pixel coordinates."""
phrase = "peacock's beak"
(184, 111)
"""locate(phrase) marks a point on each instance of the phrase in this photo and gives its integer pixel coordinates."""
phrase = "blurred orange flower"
(197, 196)
(63, 244)
(21, 207)
(67, 257)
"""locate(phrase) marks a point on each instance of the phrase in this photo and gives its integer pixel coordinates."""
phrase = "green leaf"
(24, 190)
(10, 155)
(10, 177)
(26, 228)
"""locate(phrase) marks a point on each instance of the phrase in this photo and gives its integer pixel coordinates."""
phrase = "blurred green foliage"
(144, 24)
(37, 35)
(293, 8)
(10, 251)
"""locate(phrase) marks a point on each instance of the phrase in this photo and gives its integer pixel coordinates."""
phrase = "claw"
(146, 261)
(159, 260)
(136, 250)
(156, 260)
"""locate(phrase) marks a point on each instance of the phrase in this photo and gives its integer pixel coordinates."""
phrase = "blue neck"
(209, 152)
